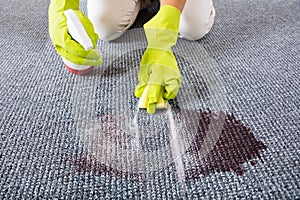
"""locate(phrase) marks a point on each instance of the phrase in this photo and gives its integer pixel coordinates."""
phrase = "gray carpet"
(231, 133)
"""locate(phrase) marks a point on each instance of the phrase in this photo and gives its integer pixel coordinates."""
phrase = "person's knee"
(196, 20)
(195, 33)
(112, 18)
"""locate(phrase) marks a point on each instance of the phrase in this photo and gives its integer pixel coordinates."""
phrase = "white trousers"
(111, 18)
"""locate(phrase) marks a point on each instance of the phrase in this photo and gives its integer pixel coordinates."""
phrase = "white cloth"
(111, 18)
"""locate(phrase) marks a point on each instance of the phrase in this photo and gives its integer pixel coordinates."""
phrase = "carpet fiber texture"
(232, 132)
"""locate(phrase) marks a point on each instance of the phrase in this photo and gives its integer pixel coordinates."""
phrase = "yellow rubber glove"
(158, 68)
(61, 39)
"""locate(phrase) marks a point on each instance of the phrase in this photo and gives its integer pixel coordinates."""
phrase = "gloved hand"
(158, 67)
(61, 39)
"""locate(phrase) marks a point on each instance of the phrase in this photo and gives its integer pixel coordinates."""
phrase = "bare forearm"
(179, 4)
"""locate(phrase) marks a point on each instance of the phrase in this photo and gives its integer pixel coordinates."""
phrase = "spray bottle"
(78, 33)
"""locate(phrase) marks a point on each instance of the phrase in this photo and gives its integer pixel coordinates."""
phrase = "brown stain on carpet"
(236, 146)
(89, 164)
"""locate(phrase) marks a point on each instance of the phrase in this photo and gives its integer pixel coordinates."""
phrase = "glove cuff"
(168, 17)
(162, 30)
(62, 5)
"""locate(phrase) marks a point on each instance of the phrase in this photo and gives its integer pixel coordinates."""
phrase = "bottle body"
(77, 69)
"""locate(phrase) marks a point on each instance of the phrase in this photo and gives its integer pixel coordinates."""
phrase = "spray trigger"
(77, 30)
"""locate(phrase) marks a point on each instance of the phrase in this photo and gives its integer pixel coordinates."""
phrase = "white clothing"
(111, 18)
(196, 19)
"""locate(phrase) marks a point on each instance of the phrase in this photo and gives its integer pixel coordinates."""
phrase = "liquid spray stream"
(176, 149)
(135, 129)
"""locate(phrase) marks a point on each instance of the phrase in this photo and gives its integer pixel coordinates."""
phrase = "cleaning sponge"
(143, 102)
